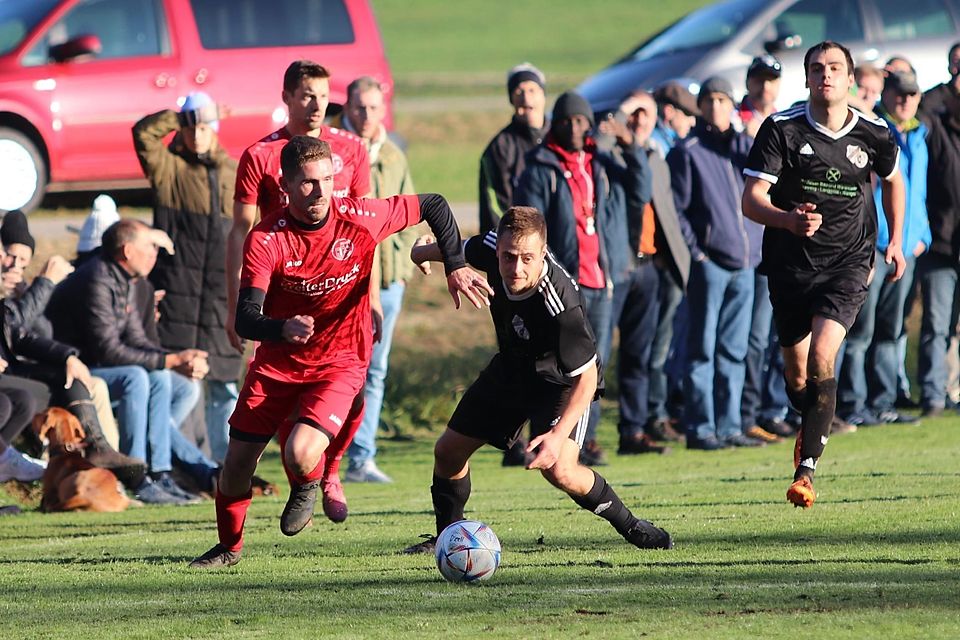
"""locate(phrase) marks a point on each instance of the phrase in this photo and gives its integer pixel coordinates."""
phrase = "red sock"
(341, 442)
(231, 514)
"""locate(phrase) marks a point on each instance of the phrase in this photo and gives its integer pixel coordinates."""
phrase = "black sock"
(603, 501)
(798, 398)
(449, 499)
(817, 415)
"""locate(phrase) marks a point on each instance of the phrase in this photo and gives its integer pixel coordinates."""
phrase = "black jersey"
(806, 162)
(543, 333)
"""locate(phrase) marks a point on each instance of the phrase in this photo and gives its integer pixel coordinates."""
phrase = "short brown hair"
(301, 150)
(824, 46)
(362, 85)
(522, 221)
(300, 69)
(120, 234)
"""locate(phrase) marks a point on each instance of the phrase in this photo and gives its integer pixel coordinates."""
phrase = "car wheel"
(23, 178)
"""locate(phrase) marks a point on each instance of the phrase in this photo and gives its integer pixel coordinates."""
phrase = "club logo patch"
(342, 249)
(857, 156)
(337, 163)
(833, 175)
(520, 328)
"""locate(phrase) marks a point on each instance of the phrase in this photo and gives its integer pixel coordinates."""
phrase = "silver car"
(722, 39)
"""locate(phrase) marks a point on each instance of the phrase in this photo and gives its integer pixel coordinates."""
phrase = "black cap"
(716, 84)
(572, 103)
(675, 94)
(765, 65)
(522, 73)
(14, 230)
(901, 82)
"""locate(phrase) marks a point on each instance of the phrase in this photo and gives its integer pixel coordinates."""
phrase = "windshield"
(18, 18)
(706, 27)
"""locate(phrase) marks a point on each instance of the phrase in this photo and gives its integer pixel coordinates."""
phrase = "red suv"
(75, 75)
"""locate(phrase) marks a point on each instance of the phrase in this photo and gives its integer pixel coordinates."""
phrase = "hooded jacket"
(193, 200)
(943, 186)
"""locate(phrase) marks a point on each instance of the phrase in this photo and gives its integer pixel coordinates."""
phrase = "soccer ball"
(467, 551)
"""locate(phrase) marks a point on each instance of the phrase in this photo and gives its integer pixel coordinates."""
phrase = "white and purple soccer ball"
(467, 551)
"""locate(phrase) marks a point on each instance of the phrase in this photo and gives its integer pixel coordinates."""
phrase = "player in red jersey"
(304, 295)
(306, 92)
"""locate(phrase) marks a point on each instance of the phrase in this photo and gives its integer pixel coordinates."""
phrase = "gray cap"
(716, 84)
(901, 82)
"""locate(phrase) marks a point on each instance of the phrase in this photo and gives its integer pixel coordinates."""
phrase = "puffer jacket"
(193, 200)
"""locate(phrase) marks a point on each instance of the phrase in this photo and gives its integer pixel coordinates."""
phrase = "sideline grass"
(876, 556)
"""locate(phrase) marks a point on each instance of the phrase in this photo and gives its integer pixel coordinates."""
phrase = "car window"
(709, 26)
(818, 20)
(242, 24)
(18, 18)
(126, 28)
(914, 19)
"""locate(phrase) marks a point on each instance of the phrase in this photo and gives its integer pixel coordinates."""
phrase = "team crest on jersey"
(337, 163)
(520, 328)
(857, 156)
(342, 249)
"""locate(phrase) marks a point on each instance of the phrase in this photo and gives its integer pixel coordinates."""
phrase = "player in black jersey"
(546, 372)
(808, 181)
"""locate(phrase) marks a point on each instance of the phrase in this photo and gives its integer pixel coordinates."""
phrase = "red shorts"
(265, 403)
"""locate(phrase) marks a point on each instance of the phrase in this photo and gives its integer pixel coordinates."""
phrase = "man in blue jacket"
(866, 395)
(584, 195)
(725, 247)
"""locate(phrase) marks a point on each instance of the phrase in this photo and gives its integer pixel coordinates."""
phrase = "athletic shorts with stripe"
(265, 403)
(494, 411)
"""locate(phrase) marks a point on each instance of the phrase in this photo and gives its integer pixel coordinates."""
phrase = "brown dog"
(70, 483)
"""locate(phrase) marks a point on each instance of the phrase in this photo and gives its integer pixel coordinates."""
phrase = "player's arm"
(801, 220)
(252, 324)
(436, 212)
(893, 194)
(548, 445)
(244, 216)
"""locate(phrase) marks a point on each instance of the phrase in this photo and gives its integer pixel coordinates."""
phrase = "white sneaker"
(367, 472)
(17, 466)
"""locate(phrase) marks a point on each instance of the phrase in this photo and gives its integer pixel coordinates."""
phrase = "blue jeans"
(720, 305)
(775, 402)
(874, 336)
(938, 287)
(758, 342)
(221, 401)
(364, 445)
(154, 434)
(636, 308)
(670, 295)
(599, 310)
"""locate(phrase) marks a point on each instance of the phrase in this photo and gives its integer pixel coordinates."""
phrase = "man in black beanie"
(584, 195)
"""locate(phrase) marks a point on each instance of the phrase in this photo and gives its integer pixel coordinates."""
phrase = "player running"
(546, 371)
(808, 181)
(304, 295)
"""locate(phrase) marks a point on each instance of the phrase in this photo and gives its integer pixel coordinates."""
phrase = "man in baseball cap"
(763, 89)
(678, 111)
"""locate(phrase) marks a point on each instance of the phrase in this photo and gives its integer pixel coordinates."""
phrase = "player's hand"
(76, 370)
(894, 256)
(471, 284)
(547, 447)
(376, 315)
(298, 329)
(423, 265)
(804, 221)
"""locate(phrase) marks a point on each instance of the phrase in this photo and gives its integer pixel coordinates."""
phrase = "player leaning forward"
(546, 371)
(808, 181)
(304, 295)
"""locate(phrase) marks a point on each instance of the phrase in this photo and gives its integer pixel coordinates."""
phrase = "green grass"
(875, 557)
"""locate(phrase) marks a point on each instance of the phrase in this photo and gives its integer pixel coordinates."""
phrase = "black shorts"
(795, 304)
(495, 411)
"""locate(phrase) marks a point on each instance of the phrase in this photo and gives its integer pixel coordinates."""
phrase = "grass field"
(876, 556)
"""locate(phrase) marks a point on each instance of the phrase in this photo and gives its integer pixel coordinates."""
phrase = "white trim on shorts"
(580, 431)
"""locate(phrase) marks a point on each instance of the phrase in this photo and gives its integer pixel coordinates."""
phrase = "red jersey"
(258, 174)
(324, 273)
